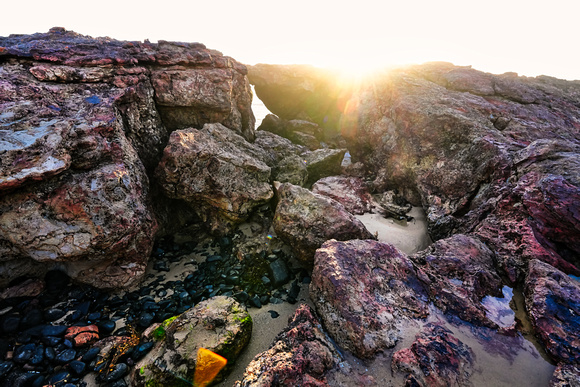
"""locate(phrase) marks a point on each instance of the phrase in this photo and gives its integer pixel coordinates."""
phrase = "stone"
(298, 131)
(363, 291)
(85, 121)
(219, 324)
(323, 162)
(305, 220)
(436, 358)
(553, 305)
(458, 272)
(82, 336)
(279, 272)
(28, 288)
(566, 375)
(214, 170)
(301, 355)
(351, 192)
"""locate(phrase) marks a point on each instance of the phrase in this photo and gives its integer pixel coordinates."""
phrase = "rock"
(566, 375)
(393, 205)
(219, 324)
(351, 192)
(305, 220)
(458, 272)
(436, 358)
(298, 131)
(84, 119)
(82, 336)
(482, 153)
(301, 355)
(363, 290)
(214, 171)
(283, 157)
(279, 272)
(323, 162)
(29, 288)
(553, 305)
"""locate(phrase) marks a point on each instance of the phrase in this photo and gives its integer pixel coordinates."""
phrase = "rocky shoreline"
(420, 227)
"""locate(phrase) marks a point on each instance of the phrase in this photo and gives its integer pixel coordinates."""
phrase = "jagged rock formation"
(82, 121)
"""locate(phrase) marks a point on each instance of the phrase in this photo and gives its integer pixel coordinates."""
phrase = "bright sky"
(530, 37)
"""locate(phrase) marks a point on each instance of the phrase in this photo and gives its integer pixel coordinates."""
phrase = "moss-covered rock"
(219, 324)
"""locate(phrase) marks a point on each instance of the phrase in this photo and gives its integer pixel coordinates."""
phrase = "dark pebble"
(23, 353)
(53, 314)
(77, 367)
(214, 258)
(90, 355)
(5, 367)
(117, 373)
(54, 330)
(106, 327)
(39, 381)
(66, 356)
(145, 320)
(60, 377)
(141, 350)
(161, 266)
(279, 273)
(119, 383)
(182, 309)
(31, 319)
(255, 301)
(10, 324)
(266, 281)
(242, 296)
(274, 314)
(294, 291)
(51, 341)
(265, 299)
(94, 316)
(37, 356)
(49, 353)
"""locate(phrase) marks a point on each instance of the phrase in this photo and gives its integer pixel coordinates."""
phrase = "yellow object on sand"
(209, 364)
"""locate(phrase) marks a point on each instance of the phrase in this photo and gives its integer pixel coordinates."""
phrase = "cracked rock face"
(217, 172)
(82, 121)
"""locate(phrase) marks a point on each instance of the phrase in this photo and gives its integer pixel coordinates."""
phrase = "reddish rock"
(298, 131)
(323, 162)
(82, 336)
(217, 173)
(301, 355)
(364, 290)
(458, 272)
(435, 359)
(566, 375)
(351, 192)
(28, 288)
(283, 157)
(305, 220)
(553, 305)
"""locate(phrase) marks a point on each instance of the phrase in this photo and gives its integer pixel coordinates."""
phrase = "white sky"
(529, 37)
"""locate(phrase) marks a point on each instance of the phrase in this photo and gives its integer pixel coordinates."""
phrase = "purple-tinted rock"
(363, 290)
(458, 272)
(566, 375)
(305, 220)
(301, 355)
(435, 359)
(553, 305)
(351, 192)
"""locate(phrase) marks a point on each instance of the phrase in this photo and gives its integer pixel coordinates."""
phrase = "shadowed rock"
(351, 192)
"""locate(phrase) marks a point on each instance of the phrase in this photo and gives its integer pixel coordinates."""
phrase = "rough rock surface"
(305, 221)
(300, 356)
(553, 305)
(323, 162)
(496, 155)
(217, 172)
(82, 119)
(219, 324)
(458, 272)
(435, 359)
(283, 156)
(363, 290)
(566, 375)
(351, 192)
(301, 132)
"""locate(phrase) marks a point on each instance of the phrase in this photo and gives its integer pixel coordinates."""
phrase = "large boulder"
(305, 221)
(298, 131)
(217, 172)
(83, 121)
(301, 355)
(323, 162)
(435, 359)
(458, 272)
(364, 291)
(349, 191)
(553, 305)
(219, 324)
(284, 157)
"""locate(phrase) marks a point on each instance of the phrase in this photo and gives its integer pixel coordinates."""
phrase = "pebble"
(66, 356)
(117, 373)
(60, 377)
(255, 301)
(274, 314)
(77, 367)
